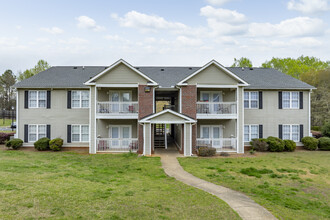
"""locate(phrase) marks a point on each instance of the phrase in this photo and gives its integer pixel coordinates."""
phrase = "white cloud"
(182, 40)
(74, 41)
(309, 6)
(294, 27)
(53, 30)
(218, 2)
(88, 23)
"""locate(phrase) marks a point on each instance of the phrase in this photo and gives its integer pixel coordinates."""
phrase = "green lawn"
(6, 122)
(290, 185)
(66, 185)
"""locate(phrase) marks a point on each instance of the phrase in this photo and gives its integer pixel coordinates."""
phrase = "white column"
(146, 139)
(187, 139)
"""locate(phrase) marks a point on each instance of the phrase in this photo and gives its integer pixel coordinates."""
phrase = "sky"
(160, 32)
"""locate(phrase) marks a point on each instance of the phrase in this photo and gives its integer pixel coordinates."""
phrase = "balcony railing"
(220, 144)
(216, 107)
(117, 144)
(117, 107)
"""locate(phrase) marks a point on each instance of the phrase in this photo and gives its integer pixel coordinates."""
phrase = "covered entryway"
(182, 123)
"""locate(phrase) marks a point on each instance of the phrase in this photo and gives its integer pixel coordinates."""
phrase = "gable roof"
(167, 111)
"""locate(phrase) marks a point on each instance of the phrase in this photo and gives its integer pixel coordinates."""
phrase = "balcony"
(117, 110)
(117, 145)
(217, 110)
(220, 144)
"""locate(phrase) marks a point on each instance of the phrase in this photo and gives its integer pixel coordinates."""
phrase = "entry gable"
(213, 73)
(121, 72)
(166, 117)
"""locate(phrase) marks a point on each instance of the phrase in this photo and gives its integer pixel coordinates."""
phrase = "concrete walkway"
(243, 205)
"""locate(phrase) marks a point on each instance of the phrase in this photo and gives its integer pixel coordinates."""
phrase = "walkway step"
(242, 204)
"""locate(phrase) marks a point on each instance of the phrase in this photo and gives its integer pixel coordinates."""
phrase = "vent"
(137, 68)
(75, 67)
(161, 69)
(190, 68)
(242, 68)
(251, 68)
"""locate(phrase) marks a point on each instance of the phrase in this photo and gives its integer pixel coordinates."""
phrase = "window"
(37, 99)
(290, 100)
(291, 132)
(251, 132)
(35, 132)
(80, 133)
(80, 99)
(251, 99)
(211, 96)
(213, 132)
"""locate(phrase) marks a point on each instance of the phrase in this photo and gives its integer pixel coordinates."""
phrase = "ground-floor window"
(211, 131)
(251, 132)
(80, 133)
(291, 132)
(36, 132)
(120, 131)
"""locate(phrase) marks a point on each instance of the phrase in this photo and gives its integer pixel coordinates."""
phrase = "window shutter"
(301, 131)
(48, 99)
(280, 131)
(48, 131)
(280, 100)
(69, 99)
(26, 99)
(301, 100)
(26, 133)
(69, 134)
(261, 133)
(260, 99)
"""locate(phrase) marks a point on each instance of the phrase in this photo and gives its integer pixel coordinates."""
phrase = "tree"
(42, 65)
(242, 62)
(7, 80)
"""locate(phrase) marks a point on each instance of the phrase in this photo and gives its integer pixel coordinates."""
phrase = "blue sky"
(160, 32)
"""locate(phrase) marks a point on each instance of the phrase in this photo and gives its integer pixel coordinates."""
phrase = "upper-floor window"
(251, 132)
(80, 99)
(291, 132)
(290, 99)
(251, 99)
(35, 132)
(37, 99)
(80, 133)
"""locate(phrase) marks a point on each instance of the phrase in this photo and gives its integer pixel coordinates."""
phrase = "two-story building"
(113, 108)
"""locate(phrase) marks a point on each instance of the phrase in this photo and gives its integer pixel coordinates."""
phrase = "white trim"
(185, 139)
(216, 116)
(95, 121)
(243, 120)
(309, 114)
(90, 117)
(181, 83)
(238, 120)
(153, 101)
(167, 111)
(118, 85)
(249, 99)
(190, 147)
(80, 133)
(290, 132)
(290, 100)
(17, 129)
(121, 61)
(118, 116)
(250, 125)
(37, 98)
(217, 86)
(37, 131)
(144, 139)
(80, 99)
(180, 101)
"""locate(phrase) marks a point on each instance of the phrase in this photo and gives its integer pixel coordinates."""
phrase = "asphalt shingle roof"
(74, 77)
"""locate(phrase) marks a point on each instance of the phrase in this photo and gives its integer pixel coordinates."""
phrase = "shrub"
(42, 144)
(289, 145)
(14, 143)
(5, 137)
(56, 144)
(224, 154)
(275, 144)
(259, 144)
(316, 128)
(252, 151)
(206, 151)
(324, 143)
(310, 143)
(326, 129)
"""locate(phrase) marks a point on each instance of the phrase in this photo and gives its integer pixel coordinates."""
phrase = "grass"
(64, 185)
(290, 185)
(6, 122)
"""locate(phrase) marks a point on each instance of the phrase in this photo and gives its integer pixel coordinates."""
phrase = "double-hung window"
(35, 132)
(291, 132)
(251, 100)
(80, 99)
(37, 99)
(80, 133)
(251, 132)
(290, 100)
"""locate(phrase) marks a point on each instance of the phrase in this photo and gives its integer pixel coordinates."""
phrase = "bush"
(224, 154)
(259, 144)
(316, 128)
(275, 144)
(206, 151)
(5, 137)
(310, 143)
(56, 144)
(14, 143)
(324, 143)
(42, 144)
(326, 129)
(289, 145)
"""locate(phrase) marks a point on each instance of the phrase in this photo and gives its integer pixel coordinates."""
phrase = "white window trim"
(37, 131)
(80, 133)
(290, 100)
(250, 138)
(249, 99)
(290, 132)
(121, 95)
(80, 98)
(120, 131)
(211, 95)
(211, 131)
(37, 98)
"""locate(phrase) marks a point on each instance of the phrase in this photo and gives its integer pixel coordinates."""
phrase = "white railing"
(221, 144)
(117, 144)
(117, 107)
(216, 107)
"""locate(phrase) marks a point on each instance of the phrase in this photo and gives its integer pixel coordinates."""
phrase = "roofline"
(166, 111)
(253, 88)
(181, 83)
(90, 81)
